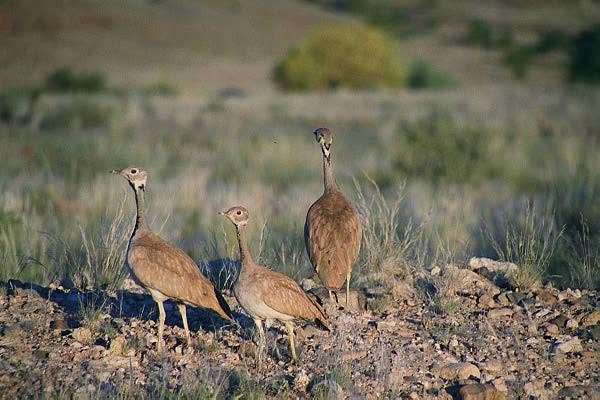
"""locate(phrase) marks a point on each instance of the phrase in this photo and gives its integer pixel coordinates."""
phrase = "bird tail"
(225, 311)
(320, 319)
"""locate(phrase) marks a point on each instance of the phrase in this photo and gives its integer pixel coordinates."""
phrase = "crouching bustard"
(332, 232)
(265, 294)
(165, 270)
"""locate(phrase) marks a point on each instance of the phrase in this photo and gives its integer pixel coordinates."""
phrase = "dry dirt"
(476, 341)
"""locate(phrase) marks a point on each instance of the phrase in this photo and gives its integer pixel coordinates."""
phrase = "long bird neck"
(328, 179)
(140, 221)
(245, 256)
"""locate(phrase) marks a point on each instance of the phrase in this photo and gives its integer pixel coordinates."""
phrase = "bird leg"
(331, 297)
(183, 312)
(290, 329)
(161, 324)
(261, 342)
(347, 289)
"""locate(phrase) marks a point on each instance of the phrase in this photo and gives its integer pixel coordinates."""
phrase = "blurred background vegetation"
(464, 128)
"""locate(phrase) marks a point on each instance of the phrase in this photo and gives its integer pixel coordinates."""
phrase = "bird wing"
(284, 295)
(333, 234)
(161, 266)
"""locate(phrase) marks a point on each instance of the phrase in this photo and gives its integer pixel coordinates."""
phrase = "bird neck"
(328, 179)
(140, 221)
(245, 256)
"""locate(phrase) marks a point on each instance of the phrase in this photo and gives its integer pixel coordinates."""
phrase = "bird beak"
(221, 213)
(116, 171)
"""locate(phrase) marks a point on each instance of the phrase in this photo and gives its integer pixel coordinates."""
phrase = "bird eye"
(134, 171)
(239, 212)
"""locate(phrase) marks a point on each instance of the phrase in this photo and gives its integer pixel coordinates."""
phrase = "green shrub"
(482, 34)
(422, 75)
(585, 56)
(518, 60)
(16, 105)
(80, 113)
(64, 80)
(551, 40)
(438, 147)
(350, 56)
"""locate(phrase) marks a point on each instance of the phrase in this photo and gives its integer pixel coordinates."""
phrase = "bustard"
(266, 295)
(332, 232)
(165, 270)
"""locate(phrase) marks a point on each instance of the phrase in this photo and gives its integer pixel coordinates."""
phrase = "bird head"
(324, 137)
(237, 215)
(136, 176)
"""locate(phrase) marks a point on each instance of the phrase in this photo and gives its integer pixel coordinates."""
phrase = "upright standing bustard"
(165, 270)
(265, 294)
(332, 231)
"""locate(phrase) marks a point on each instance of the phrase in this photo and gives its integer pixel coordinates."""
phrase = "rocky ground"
(451, 333)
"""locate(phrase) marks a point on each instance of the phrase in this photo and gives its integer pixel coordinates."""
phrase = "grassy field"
(491, 166)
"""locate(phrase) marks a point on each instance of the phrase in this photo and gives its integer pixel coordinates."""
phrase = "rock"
(500, 273)
(301, 381)
(536, 389)
(560, 321)
(486, 300)
(590, 319)
(97, 351)
(580, 392)
(541, 313)
(479, 391)
(572, 324)
(500, 312)
(493, 367)
(572, 345)
(386, 325)
(453, 371)
(307, 284)
(117, 345)
(500, 385)
(552, 329)
(547, 296)
(353, 355)
(83, 335)
(468, 281)
(516, 297)
(59, 324)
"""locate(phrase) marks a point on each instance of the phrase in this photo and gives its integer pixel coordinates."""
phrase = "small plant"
(518, 60)
(438, 147)
(93, 307)
(529, 242)
(482, 34)
(584, 263)
(422, 75)
(347, 56)
(64, 80)
(585, 56)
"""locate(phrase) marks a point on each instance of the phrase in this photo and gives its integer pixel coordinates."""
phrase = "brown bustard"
(165, 270)
(266, 295)
(332, 232)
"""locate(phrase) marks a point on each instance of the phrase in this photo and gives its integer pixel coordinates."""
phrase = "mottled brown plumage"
(165, 270)
(265, 294)
(332, 232)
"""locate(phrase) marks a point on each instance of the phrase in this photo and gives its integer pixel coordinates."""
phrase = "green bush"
(482, 34)
(438, 148)
(422, 75)
(64, 80)
(518, 60)
(349, 56)
(585, 56)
